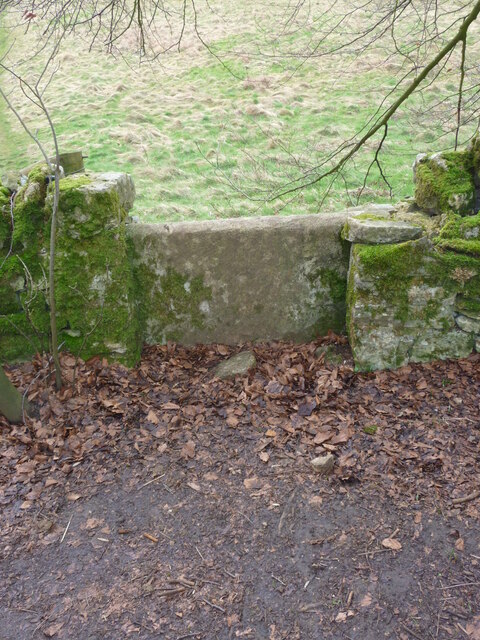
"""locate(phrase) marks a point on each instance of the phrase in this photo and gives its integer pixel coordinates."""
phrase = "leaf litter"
(163, 502)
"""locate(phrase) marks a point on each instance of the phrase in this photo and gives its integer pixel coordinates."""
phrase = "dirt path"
(163, 503)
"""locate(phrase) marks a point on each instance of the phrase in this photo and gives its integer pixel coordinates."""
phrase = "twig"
(66, 529)
(471, 496)
(199, 553)
(215, 606)
(411, 632)
(150, 481)
(460, 584)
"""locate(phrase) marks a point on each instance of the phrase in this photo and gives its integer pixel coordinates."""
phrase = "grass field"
(200, 136)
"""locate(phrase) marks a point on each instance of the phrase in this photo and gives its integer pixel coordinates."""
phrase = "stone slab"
(379, 231)
(241, 279)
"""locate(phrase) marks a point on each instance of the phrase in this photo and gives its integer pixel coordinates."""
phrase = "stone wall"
(414, 277)
(236, 280)
(404, 281)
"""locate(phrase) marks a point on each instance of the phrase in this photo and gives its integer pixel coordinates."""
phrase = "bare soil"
(161, 502)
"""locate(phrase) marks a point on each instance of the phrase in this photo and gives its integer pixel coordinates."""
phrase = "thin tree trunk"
(51, 280)
(12, 405)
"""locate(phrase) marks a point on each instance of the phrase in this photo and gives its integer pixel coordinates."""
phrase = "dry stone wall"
(404, 281)
(414, 276)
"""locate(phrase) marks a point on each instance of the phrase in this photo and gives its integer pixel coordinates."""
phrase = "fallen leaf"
(366, 601)
(473, 628)
(52, 630)
(188, 449)
(152, 417)
(322, 437)
(460, 544)
(391, 543)
(264, 456)
(252, 483)
(194, 486)
(170, 406)
(72, 497)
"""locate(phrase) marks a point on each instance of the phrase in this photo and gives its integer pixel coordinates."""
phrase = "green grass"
(205, 140)
(13, 140)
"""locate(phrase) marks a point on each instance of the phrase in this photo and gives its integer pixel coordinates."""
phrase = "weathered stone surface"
(402, 305)
(243, 279)
(96, 306)
(444, 183)
(374, 230)
(238, 365)
(11, 180)
(95, 291)
(470, 325)
(121, 182)
(324, 464)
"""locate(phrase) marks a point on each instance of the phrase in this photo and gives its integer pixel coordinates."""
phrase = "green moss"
(475, 150)
(461, 234)
(21, 277)
(93, 275)
(468, 305)
(440, 190)
(5, 220)
(73, 182)
(345, 232)
(329, 291)
(172, 299)
(370, 216)
(336, 283)
(23, 334)
(94, 293)
(470, 247)
(83, 213)
(393, 269)
(370, 429)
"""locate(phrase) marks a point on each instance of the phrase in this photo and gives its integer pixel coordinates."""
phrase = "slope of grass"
(13, 140)
(206, 139)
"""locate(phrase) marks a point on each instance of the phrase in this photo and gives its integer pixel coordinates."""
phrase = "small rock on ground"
(324, 464)
(237, 365)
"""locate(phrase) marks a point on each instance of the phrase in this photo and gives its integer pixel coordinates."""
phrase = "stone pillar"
(93, 277)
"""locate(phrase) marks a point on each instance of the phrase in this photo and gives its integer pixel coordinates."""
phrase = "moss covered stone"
(96, 311)
(328, 291)
(175, 301)
(461, 234)
(445, 183)
(402, 303)
(5, 220)
(22, 277)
